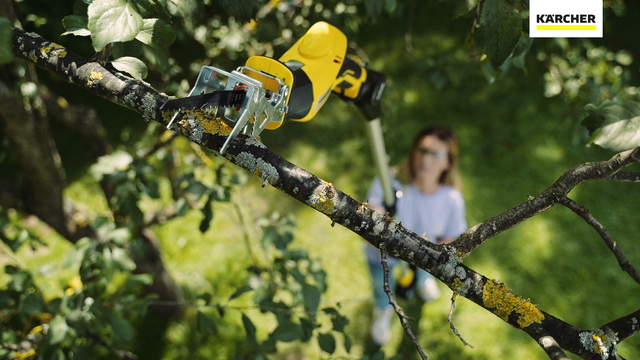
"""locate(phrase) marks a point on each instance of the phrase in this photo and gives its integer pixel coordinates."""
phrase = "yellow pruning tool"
(264, 92)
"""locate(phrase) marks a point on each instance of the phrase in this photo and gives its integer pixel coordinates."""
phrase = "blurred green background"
(517, 133)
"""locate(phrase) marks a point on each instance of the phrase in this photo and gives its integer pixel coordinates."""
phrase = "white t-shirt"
(438, 215)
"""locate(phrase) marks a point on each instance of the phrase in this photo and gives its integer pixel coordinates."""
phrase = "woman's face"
(431, 158)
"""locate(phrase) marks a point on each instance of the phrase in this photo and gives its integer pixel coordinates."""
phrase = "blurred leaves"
(614, 124)
(457, 8)
(498, 30)
(98, 306)
(375, 8)
(6, 38)
(242, 10)
(289, 285)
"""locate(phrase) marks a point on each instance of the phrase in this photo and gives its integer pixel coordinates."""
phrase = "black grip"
(369, 99)
(371, 89)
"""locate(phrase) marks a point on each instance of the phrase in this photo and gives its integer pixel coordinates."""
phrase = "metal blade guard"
(268, 107)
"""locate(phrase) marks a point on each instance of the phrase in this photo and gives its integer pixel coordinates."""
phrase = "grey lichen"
(379, 222)
(148, 106)
(267, 171)
(258, 166)
(598, 342)
(252, 141)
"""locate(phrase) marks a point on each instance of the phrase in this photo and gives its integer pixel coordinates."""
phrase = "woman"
(430, 204)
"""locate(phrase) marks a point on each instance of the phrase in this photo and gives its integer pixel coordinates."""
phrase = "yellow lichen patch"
(45, 50)
(457, 284)
(496, 296)
(323, 199)
(94, 76)
(216, 127)
(601, 344)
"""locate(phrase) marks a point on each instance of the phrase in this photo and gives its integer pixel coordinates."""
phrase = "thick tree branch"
(475, 236)
(444, 262)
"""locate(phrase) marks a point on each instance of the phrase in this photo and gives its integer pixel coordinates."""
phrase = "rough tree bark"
(443, 261)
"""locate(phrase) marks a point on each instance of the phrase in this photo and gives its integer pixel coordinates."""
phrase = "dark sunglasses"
(440, 155)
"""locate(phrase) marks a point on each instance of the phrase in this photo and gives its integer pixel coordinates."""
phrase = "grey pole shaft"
(376, 140)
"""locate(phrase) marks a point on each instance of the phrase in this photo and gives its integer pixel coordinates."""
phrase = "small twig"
(450, 318)
(604, 234)
(404, 319)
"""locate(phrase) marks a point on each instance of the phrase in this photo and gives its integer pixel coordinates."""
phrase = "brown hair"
(450, 176)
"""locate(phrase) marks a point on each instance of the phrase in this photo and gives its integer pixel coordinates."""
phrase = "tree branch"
(475, 236)
(626, 176)
(404, 319)
(444, 262)
(604, 234)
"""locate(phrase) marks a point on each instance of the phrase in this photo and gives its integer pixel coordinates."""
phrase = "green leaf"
(307, 326)
(594, 120)
(287, 330)
(113, 21)
(122, 259)
(108, 164)
(122, 330)
(242, 290)
(206, 324)
(132, 66)
(250, 330)
(620, 126)
(76, 25)
(6, 39)
(207, 211)
(327, 343)
(498, 31)
(348, 342)
(31, 304)
(339, 321)
(58, 329)
(157, 34)
(311, 296)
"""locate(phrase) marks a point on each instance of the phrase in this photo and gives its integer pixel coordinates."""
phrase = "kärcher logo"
(566, 19)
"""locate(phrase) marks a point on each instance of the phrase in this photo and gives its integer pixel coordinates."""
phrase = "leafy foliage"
(289, 285)
(120, 21)
(498, 30)
(94, 314)
(615, 124)
(6, 53)
(113, 21)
